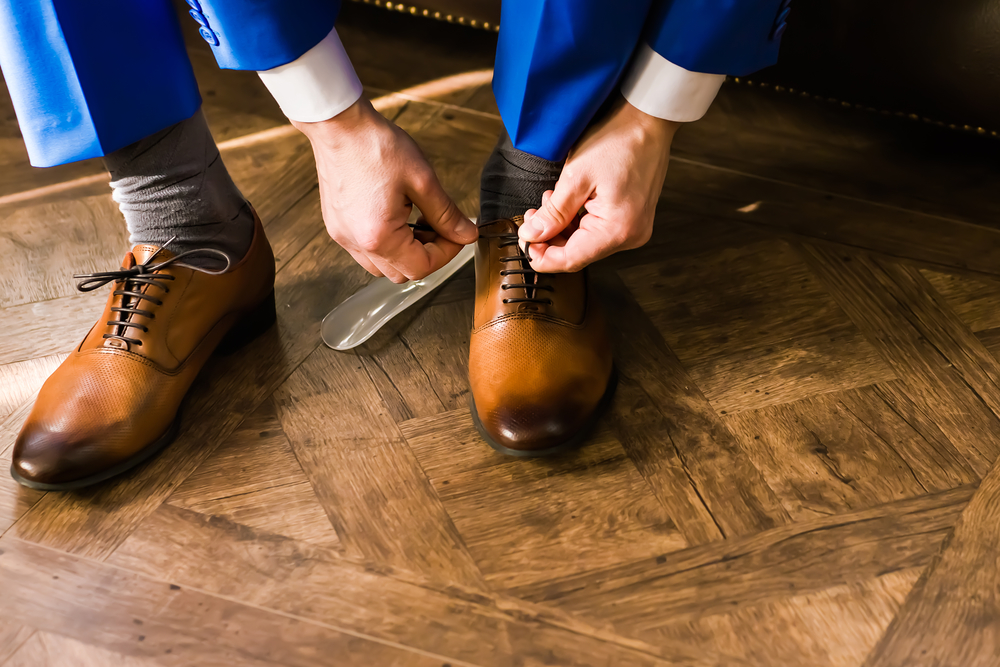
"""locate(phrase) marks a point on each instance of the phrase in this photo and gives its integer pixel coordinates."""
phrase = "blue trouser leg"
(87, 79)
(557, 62)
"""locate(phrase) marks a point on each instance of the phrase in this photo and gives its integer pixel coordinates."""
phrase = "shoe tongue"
(129, 261)
(142, 253)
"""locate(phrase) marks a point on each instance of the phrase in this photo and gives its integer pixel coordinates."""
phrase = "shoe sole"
(249, 327)
(573, 442)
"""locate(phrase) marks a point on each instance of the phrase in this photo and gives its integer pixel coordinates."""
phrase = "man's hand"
(371, 173)
(616, 170)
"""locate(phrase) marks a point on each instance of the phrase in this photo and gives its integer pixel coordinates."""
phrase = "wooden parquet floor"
(797, 469)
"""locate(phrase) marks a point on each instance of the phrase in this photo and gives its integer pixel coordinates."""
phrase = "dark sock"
(514, 181)
(173, 184)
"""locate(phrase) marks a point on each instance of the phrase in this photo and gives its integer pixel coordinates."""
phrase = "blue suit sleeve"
(734, 37)
(262, 34)
(558, 61)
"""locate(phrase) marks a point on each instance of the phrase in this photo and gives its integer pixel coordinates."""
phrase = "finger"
(387, 270)
(439, 211)
(419, 260)
(557, 210)
(365, 263)
(570, 254)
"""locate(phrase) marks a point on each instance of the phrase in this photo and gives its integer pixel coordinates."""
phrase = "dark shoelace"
(530, 284)
(530, 277)
(133, 280)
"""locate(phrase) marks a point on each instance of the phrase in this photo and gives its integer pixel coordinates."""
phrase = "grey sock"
(513, 181)
(174, 184)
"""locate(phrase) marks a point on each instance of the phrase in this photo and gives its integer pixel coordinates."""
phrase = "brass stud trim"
(861, 107)
(417, 11)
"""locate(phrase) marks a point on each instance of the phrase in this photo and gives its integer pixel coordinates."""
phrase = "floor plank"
(694, 448)
(254, 479)
(363, 472)
(791, 560)
(21, 380)
(525, 523)
(383, 602)
(952, 615)
(754, 327)
(821, 459)
(835, 627)
(940, 362)
(148, 618)
(12, 636)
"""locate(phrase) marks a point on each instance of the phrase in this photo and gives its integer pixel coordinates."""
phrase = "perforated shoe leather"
(114, 401)
(540, 362)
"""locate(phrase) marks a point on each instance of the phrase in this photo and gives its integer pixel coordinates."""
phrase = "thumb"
(440, 211)
(556, 212)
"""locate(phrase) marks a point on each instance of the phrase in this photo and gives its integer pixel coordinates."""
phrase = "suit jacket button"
(209, 36)
(778, 32)
(195, 5)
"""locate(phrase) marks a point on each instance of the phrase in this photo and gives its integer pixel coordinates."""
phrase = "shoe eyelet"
(506, 301)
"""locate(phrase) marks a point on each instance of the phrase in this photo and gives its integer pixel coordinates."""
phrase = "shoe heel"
(251, 325)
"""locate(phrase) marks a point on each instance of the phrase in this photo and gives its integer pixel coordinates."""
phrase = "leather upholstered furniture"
(935, 60)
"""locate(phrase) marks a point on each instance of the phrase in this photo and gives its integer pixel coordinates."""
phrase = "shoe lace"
(133, 279)
(530, 285)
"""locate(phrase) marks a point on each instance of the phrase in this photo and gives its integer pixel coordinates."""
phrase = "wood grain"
(790, 560)
(366, 477)
(254, 479)
(704, 452)
(147, 618)
(44, 245)
(940, 362)
(753, 326)
(12, 636)
(836, 626)
(822, 459)
(953, 614)
(468, 625)
(21, 380)
(47, 328)
(524, 523)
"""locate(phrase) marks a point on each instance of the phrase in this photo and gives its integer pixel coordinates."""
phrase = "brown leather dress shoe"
(540, 364)
(113, 402)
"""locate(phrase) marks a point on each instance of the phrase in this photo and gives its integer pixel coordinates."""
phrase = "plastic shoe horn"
(366, 311)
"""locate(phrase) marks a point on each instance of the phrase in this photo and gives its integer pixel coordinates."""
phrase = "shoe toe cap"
(532, 428)
(42, 457)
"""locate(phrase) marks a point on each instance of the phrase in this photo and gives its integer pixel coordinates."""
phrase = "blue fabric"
(87, 79)
(716, 36)
(558, 61)
(85, 82)
(264, 34)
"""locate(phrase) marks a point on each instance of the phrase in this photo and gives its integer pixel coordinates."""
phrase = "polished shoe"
(540, 363)
(114, 401)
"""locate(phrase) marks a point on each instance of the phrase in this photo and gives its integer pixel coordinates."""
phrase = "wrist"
(651, 125)
(345, 123)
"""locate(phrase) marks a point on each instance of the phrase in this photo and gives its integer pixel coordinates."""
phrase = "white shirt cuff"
(316, 86)
(660, 88)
